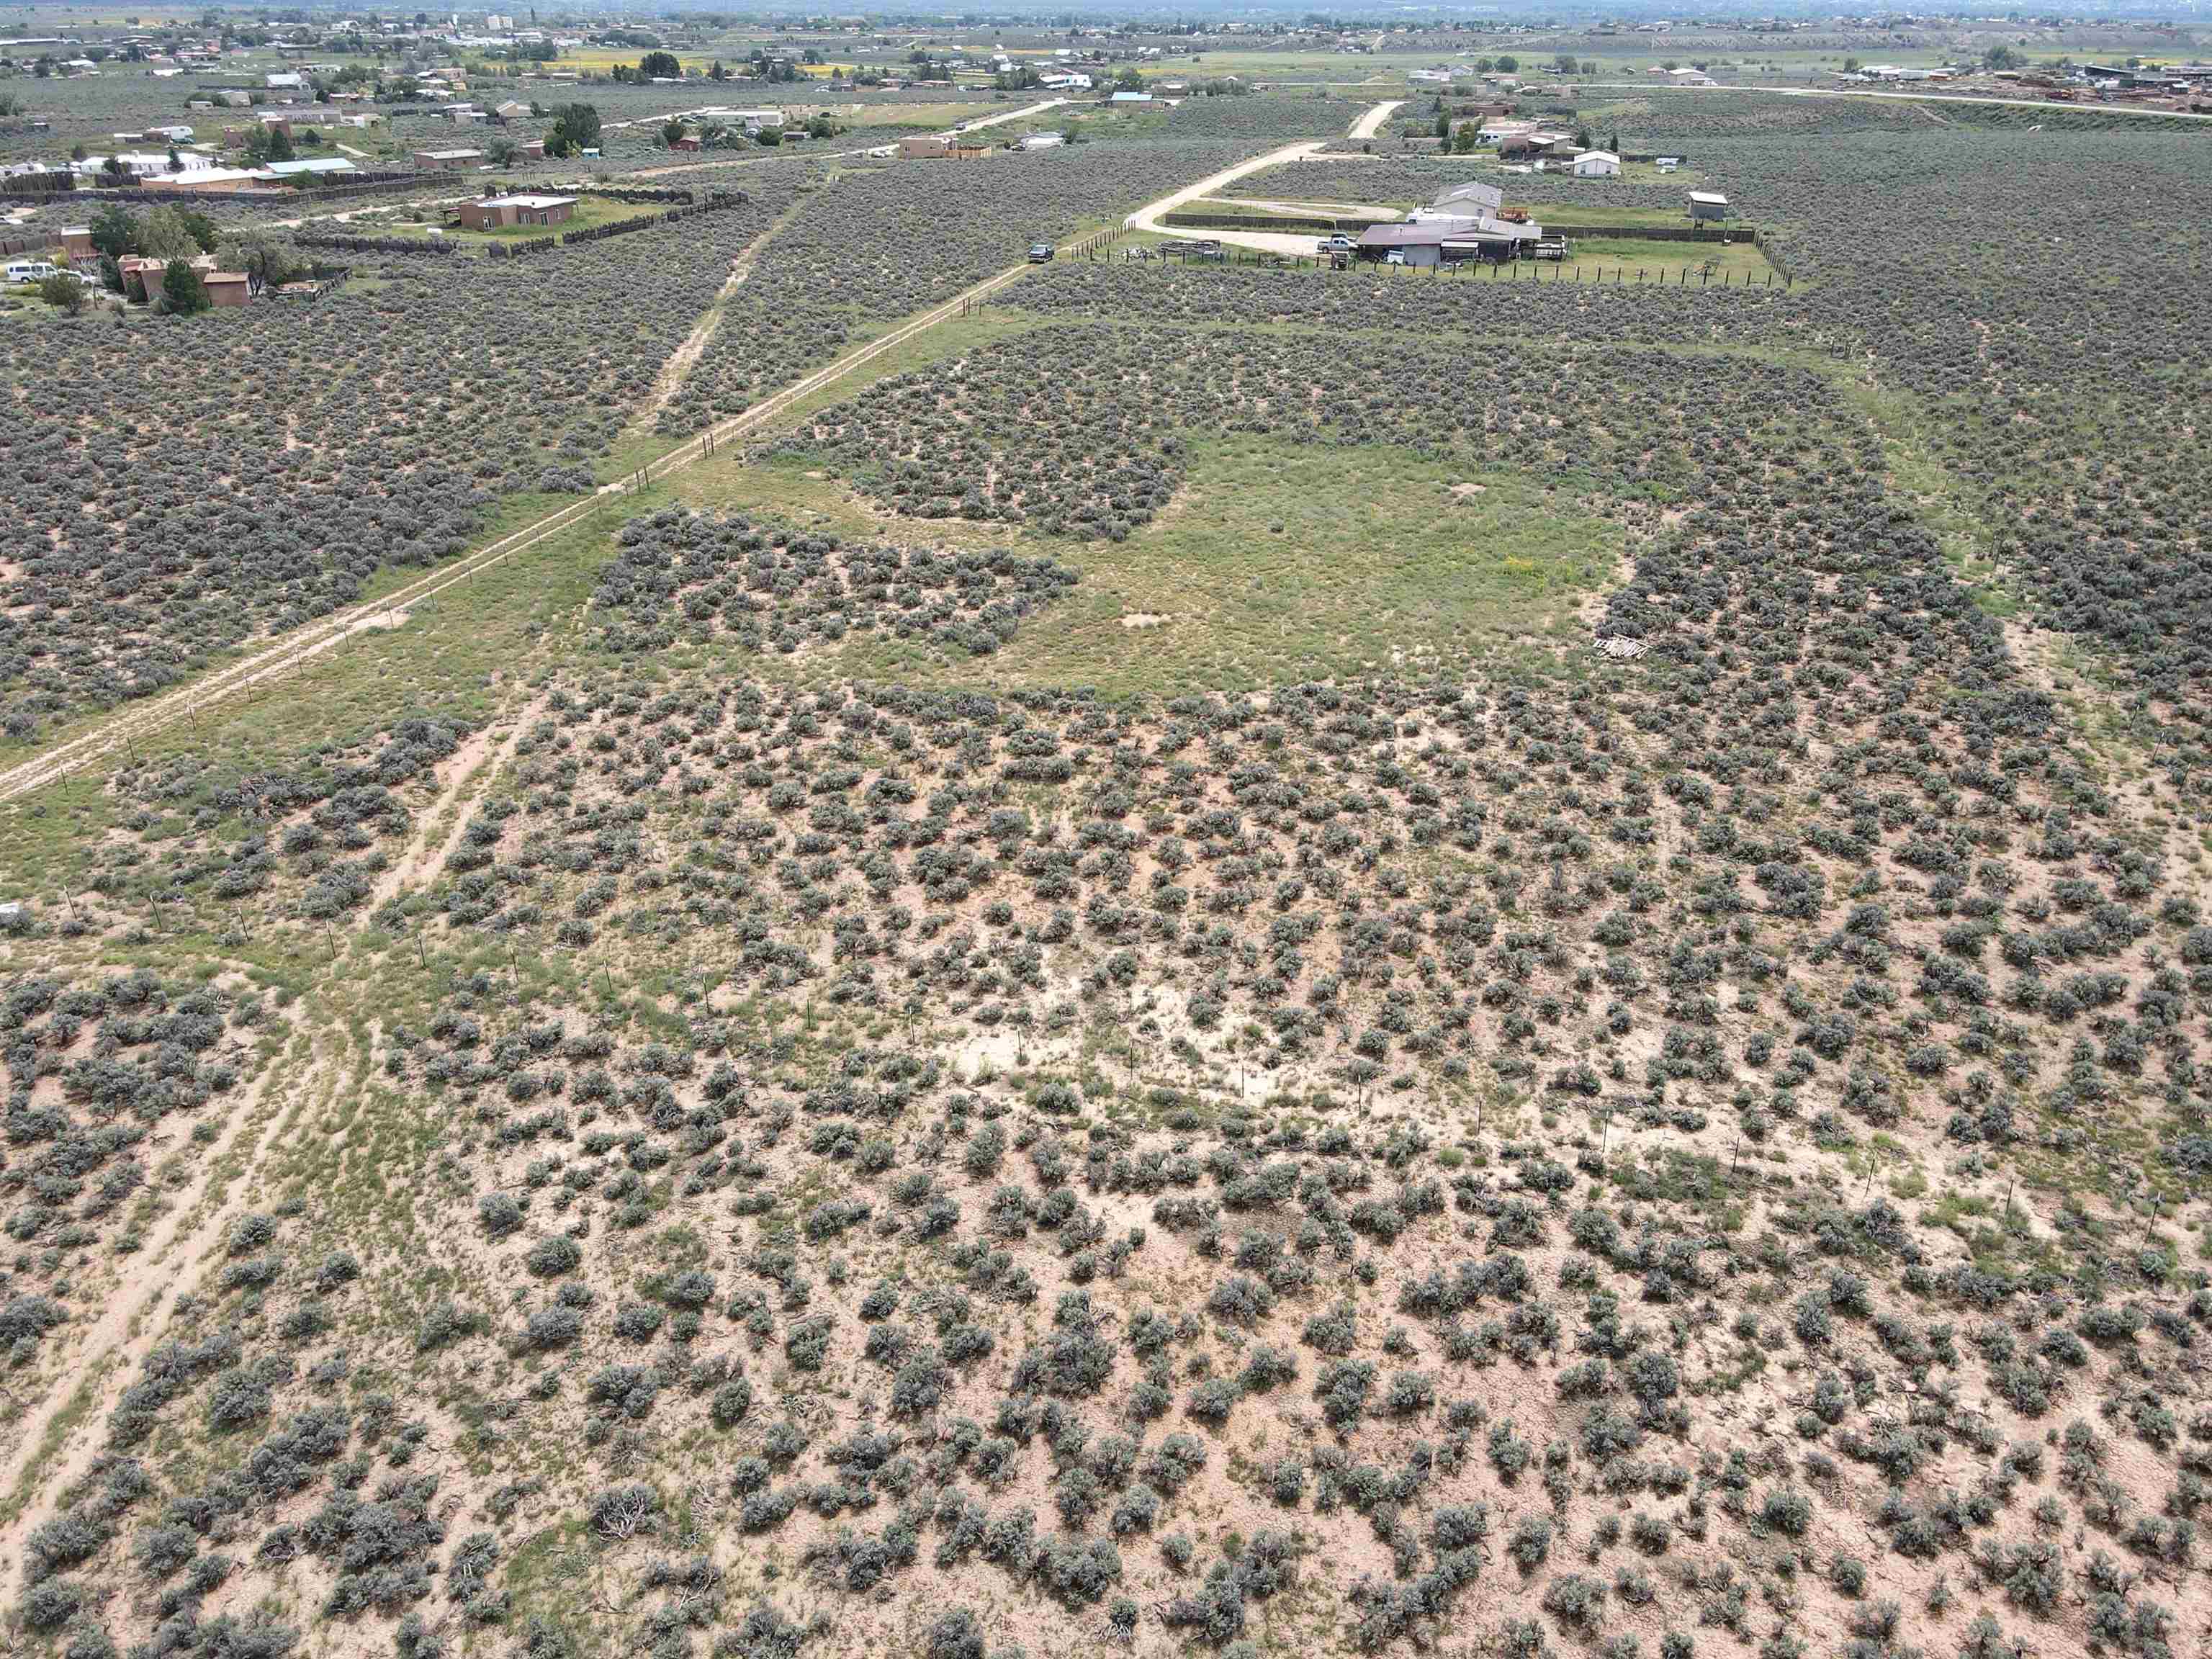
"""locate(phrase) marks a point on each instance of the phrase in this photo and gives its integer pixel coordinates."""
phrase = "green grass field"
(1276, 561)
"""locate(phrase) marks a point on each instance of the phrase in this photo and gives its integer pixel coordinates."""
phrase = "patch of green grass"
(1633, 259)
(1281, 562)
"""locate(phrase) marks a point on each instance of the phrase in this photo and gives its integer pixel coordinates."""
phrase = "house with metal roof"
(1472, 198)
(313, 167)
(1447, 241)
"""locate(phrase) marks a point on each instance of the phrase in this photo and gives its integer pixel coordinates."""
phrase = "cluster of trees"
(575, 128)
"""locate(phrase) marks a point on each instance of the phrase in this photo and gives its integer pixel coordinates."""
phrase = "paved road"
(1938, 100)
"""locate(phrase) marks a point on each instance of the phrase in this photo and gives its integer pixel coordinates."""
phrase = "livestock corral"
(783, 904)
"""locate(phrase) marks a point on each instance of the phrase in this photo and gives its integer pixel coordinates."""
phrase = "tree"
(1509, 65)
(502, 151)
(575, 127)
(268, 144)
(659, 66)
(2002, 57)
(166, 234)
(1564, 64)
(671, 131)
(114, 232)
(64, 291)
(717, 72)
(183, 294)
(267, 262)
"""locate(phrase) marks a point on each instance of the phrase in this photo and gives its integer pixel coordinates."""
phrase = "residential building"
(447, 160)
(1473, 199)
(1444, 241)
(317, 167)
(497, 212)
(1595, 164)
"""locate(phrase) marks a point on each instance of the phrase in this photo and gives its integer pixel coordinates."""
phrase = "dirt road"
(1152, 216)
(1371, 123)
(280, 655)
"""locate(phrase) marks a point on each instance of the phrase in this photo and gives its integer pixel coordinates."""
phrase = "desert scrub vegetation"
(1683, 1151)
(181, 489)
(881, 242)
(774, 588)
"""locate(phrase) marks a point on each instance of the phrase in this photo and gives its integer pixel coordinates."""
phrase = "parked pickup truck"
(1339, 243)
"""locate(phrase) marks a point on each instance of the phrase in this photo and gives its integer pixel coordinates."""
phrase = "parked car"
(31, 271)
(1039, 252)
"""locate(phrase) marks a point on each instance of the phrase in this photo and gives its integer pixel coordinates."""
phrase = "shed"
(1596, 164)
(1708, 204)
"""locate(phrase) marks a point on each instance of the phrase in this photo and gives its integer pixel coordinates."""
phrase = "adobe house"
(497, 212)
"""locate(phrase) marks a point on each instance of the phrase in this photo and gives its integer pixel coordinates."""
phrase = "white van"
(31, 271)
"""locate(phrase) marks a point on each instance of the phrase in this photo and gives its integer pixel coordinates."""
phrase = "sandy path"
(681, 361)
(1010, 115)
(110, 1349)
(1340, 210)
(1371, 123)
(474, 764)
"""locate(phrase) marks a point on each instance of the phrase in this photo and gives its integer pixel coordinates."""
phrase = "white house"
(288, 80)
(1043, 141)
(145, 164)
(1597, 164)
